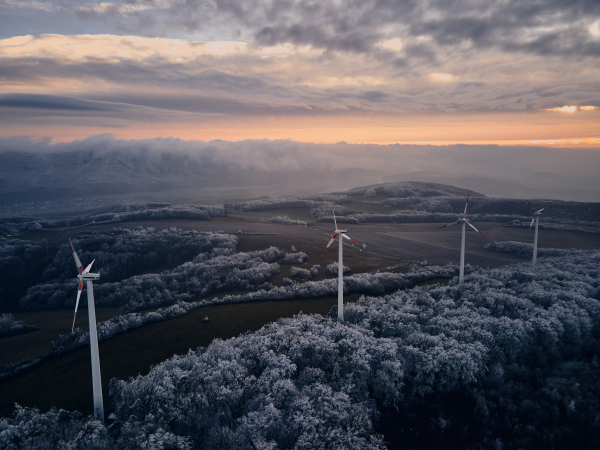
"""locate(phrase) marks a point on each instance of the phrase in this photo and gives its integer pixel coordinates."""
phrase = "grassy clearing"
(258, 216)
(362, 204)
(51, 324)
(417, 242)
(65, 381)
(313, 246)
(373, 198)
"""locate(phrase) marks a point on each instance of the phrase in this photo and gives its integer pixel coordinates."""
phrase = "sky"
(510, 72)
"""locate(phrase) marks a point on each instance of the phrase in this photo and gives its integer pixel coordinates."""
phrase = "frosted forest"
(517, 346)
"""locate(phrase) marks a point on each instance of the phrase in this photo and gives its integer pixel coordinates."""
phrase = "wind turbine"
(465, 222)
(536, 217)
(96, 381)
(342, 234)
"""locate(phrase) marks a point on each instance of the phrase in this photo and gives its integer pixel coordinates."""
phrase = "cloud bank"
(104, 163)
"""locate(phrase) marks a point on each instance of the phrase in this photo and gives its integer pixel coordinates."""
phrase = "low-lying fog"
(167, 169)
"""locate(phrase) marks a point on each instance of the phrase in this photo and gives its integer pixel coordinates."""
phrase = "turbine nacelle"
(89, 276)
(336, 234)
(535, 213)
(463, 219)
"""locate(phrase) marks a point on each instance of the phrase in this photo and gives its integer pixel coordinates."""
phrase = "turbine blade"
(87, 269)
(453, 223)
(541, 210)
(532, 220)
(469, 223)
(467, 202)
(530, 206)
(77, 262)
(329, 245)
(335, 221)
(77, 303)
(348, 237)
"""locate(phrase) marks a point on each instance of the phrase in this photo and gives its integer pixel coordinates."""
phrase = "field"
(64, 381)
(51, 324)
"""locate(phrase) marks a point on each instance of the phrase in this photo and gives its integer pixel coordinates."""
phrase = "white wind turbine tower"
(536, 217)
(342, 234)
(465, 222)
(96, 381)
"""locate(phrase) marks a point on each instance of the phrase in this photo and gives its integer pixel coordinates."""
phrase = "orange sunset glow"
(502, 129)
(71, 86)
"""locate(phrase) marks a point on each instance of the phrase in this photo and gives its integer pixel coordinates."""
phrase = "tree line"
(114, 214)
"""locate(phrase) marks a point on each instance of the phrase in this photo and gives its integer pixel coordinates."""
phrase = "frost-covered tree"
(9, 326)
(114, 214)
(525, 250)
(332, 269)
(295, 258)
(305, 274)
(213, 266)
(285, 220)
